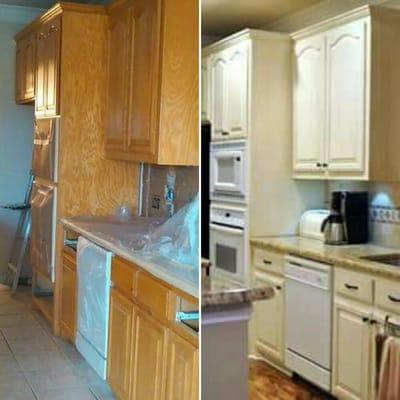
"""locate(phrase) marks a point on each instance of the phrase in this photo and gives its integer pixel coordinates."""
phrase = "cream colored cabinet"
(309, 105)
(351, 351)
(228, 96)
(347, 86)
(269, 319)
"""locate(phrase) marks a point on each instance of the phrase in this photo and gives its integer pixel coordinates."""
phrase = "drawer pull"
(267, 262)
(394, 299)
(224, 133)
(365, 319)
(278, 287)
(351, 287)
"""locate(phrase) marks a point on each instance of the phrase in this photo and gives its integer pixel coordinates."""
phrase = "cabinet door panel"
(119, 33)
(144, 78)
(40, 84)
(236, 91)
(149, 365)
(120, 344)
(68, 298)
(351, 353)
(204, 89)
(309, 104)
(347, 121)
(182, 369)
(30, 65)
(218, 96)
(269, 320)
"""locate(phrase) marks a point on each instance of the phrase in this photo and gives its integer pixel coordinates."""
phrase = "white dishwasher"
(308, 319)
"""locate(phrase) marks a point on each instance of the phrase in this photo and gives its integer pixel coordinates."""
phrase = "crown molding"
(19, 14)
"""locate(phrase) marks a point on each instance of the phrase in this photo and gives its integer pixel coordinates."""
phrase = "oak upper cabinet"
(68, 296)
(343, 126)
(48, 68)
(309, 104)
(351, 352)
(120, 344)
(269, 320)
(25, 68)
(152, 112)
(228, 92)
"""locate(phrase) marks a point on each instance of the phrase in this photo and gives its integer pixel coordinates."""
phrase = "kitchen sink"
(389, 259)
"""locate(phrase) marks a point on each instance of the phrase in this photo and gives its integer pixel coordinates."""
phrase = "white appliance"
(228, 170)
(227, 242)
(311, 223)
(308, 319)
(94, 280)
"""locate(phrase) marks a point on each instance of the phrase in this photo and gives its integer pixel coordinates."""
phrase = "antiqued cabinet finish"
(152, 113)
(25, 68)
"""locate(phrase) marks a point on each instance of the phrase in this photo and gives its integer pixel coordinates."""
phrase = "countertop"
(124, 238)
(217, 291)
(346, 256)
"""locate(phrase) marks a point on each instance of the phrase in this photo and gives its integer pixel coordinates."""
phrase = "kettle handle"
(324, 222)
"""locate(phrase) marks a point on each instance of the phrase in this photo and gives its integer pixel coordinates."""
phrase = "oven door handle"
(234, 231)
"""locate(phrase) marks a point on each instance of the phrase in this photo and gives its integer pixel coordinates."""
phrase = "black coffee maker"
(348, 221)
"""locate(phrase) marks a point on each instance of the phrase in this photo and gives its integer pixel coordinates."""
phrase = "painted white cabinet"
(269, 319)
(228, 92)
(309, 104)
(351, 352)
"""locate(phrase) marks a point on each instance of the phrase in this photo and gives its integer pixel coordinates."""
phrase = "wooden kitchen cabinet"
(25, 68)
(342, 121)
(152, 112)
(149, 358)
(68, 296)
(120, 341)
(48, 68)
(183, 369)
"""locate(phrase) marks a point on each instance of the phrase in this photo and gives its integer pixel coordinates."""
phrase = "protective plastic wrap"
(177, 239)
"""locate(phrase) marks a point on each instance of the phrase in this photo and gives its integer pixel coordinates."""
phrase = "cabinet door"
(204, 89)
(119, 35)
(20, 71)
(347, 124)
(149, 359)
(183, 372)
(351, 352)
(41, 65)
(269, 319)
(53, 38)
(68, 298)
(236, 90)
(120, 344)
(309, 105)
(218, 96)
(144, 62)
(30, 66)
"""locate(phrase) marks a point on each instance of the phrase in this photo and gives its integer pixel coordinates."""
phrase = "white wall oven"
(227, 242)
(228, 171)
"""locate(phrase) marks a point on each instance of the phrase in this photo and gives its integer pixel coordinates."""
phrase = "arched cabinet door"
(309, 105)
(347, 128)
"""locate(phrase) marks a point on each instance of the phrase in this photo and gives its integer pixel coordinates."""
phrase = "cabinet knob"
(318, 164)
(267, 262)
(365, 319)
(227, 215)
(224, 133)
(324, 165)
(238, 158)
(278, 287)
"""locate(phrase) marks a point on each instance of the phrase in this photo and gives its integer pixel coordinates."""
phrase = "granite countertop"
(125, 238)
(346, 256)
(217, 291)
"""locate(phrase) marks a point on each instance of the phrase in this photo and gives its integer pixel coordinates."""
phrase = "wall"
(16, 127)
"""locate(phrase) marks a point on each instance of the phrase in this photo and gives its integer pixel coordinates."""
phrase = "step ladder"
(20, 244)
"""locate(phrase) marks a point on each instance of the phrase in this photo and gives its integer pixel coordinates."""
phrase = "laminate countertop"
(217, 291)
(346, 256)
(125, 239)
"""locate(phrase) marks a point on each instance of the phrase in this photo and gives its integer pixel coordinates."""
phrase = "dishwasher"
(308, 306)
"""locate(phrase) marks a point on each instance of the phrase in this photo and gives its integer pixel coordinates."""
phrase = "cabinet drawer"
(152, 295)
(387, 295)
(268, 261)
(354, 285)
(123, 276)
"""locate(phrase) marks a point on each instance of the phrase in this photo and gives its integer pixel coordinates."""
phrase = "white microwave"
(228, 171)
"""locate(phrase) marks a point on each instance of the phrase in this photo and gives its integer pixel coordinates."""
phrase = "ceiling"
(46, 3)
(222, 17)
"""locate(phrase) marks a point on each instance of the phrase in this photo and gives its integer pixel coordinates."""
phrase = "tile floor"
(36, 365)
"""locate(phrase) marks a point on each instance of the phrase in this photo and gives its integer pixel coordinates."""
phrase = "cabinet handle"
(365, 319)
(318, 164)
(394, 299)
(267, 262)
(227, 215)
(278, 287)
(224, 133)
(351, 287)
(325, 165)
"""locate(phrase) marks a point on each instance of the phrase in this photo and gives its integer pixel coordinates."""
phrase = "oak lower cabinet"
(68, 296)
(152, 112)
(269, 320)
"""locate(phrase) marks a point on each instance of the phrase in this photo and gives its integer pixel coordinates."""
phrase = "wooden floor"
(267, 383)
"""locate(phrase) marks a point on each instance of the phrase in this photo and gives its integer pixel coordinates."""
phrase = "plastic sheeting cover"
(177, 239)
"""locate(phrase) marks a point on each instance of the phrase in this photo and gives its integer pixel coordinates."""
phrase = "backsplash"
(166, 189)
